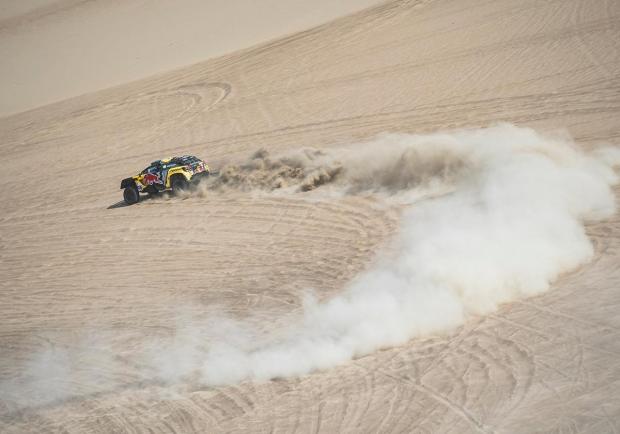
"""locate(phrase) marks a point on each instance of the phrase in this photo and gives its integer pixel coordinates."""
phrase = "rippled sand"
(85, 278)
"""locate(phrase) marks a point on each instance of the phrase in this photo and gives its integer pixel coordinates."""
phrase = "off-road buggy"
(176, 174)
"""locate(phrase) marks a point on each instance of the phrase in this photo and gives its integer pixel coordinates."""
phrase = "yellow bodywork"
(145, 179)
(142, 179)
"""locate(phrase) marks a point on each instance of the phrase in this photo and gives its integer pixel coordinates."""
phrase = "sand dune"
(105, 309)
(55, 49)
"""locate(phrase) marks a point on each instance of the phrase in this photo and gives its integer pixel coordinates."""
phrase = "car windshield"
(150, 169)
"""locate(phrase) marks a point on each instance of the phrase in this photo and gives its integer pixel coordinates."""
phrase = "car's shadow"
(122, 204)
(119, 204)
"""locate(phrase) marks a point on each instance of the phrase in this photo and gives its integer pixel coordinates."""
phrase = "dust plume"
(388, 165)
(489, 216)
(507, 220)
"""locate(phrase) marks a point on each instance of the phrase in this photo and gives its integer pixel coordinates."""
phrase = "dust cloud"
(389, 165)
(508, 220)
(490, 216)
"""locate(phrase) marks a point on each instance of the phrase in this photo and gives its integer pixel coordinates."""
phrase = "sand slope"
(76, 274)
(55, 49)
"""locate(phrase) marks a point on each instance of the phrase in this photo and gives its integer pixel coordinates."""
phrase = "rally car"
(176, 174)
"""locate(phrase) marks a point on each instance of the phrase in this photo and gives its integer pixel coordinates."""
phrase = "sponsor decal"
(152, 178)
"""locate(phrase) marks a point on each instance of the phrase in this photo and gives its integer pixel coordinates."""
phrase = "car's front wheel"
(131, 195)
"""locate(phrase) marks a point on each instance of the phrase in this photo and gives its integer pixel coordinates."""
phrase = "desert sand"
(57, 49)
(86, 283)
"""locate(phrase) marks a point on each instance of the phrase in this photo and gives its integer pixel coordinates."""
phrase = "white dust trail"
(508, 220)
(491, 215)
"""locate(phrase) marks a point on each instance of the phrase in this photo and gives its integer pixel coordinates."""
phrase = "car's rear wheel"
(179, 184)
(131, 195)
(199, 177)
